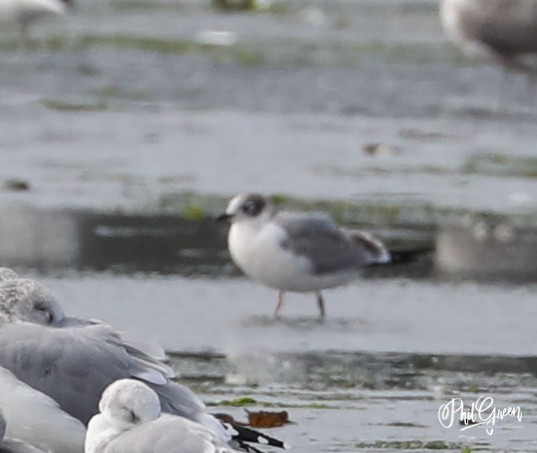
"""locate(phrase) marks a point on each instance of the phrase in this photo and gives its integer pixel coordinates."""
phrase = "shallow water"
(371, 377)
(120, 107)
(372, 315)
(112, 116)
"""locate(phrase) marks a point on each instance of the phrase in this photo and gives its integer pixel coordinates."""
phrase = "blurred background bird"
(23, 13)
(504, 31)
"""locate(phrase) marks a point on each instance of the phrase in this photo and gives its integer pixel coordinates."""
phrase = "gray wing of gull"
(74, 365)
(168, 434)
(17, 446)
(327, 247)
(34, 418)
(507, 26)
(150, 348)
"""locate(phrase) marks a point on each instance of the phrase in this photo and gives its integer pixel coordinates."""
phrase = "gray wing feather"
(327, 247)
(149, 348)
(74, 366)
(16, 446)
(36, 418)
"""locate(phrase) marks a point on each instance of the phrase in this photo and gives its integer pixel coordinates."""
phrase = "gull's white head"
(128, 402)
(252, 208)
(29, 301)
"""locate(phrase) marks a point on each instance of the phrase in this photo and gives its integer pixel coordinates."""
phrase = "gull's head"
(7, 274)
(29, 301)
(252, 208)
(128, 402)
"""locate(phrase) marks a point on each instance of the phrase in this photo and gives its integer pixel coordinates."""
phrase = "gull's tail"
(408, 256)
(379, 254)
(244, 436)
(374, 248)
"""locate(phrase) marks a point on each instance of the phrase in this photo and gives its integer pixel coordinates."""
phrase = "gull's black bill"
(223, 217)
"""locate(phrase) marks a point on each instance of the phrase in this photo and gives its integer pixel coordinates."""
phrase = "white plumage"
(130, 421)
(296, 252)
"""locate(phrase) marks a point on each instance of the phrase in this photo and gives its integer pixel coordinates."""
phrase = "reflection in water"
(170, 244)
(138, 243)
(40, 239)
(488, 251)
(367, 402)
(308, 323)
(343, 369)
(128, 243)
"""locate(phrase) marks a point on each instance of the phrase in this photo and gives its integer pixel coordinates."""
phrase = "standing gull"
(37, 419)
(503, 29)
(73, 362)
(131, 421)
(296, 252)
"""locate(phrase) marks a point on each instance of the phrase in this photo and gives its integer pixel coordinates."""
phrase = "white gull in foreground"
(131, 421)
(73, 360)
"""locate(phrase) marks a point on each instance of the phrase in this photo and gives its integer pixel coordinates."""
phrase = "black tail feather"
(408, 256)
(242, 446)
(248, 435)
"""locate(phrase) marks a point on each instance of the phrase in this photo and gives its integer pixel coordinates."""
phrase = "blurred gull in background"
(503, 30)
(25, 12)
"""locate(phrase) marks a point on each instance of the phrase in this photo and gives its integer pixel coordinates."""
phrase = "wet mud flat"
(346, 402)
(124, 108)
(372, 377)
(131, 109)
(124, 130)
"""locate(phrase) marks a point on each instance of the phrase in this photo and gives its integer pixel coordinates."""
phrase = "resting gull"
(73, 361)
(131, 421)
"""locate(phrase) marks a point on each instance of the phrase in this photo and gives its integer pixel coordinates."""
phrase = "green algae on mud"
(484, 164)
(502, 165)
(237, 402)
(282, 52)
(68, 106)
(410, 445)
(140, 5)
(421, 215)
